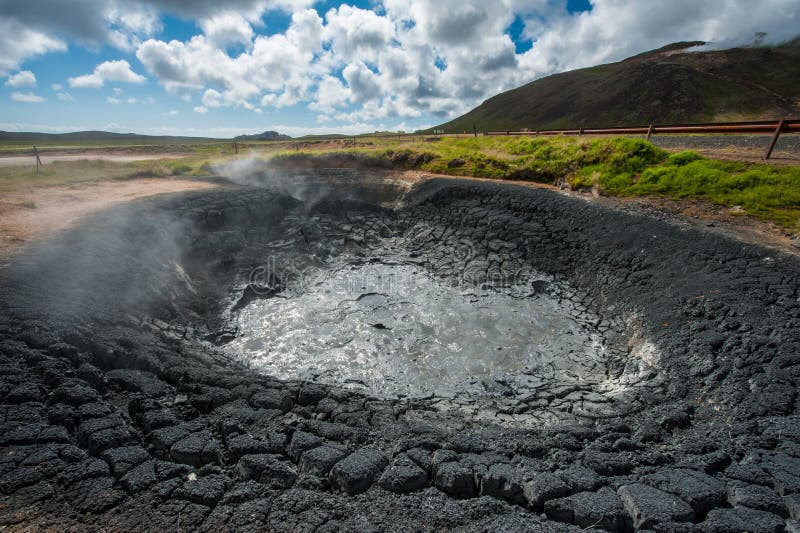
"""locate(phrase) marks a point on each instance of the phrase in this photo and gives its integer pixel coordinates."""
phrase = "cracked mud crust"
(122, 408)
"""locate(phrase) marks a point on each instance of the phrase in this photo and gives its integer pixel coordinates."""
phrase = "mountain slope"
(669, 85)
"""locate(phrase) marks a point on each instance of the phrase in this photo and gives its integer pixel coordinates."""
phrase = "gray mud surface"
(128, 403)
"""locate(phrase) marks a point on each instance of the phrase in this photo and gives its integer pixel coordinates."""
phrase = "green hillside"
(671, 85)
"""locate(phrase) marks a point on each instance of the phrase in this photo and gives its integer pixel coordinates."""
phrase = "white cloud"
(64, 97)
(19, 42)
(29, 98)
(56, 86)
(227, 28)
(211, 98)
(132, 100)
(119, 70)
(22, 79)
(113, 100)
(171, 113)
(401, 60)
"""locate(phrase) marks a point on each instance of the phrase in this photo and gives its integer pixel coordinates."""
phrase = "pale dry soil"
(30, 214)
(46, 159)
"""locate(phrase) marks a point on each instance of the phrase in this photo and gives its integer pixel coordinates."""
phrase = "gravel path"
(743, 147)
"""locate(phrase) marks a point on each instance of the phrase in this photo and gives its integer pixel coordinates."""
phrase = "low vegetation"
(609, 166)
(612, 166)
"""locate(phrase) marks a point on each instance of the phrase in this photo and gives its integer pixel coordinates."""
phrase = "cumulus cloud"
(64, 97)
(280, 63)
(19, 42)
(400, 60)
(22, 79)
(29, 98)
(616, 29)
(119, 70)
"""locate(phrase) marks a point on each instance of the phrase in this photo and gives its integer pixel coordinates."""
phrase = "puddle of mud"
(396, 329)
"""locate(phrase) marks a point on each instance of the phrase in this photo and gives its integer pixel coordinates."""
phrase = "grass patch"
(617, 166)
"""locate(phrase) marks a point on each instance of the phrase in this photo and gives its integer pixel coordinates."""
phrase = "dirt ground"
(32, 214)
(29, 160)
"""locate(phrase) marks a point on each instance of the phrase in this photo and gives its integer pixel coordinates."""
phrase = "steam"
(123, 259)
(253, 171)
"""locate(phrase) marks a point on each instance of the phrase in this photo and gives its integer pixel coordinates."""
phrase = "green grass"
(616, 166)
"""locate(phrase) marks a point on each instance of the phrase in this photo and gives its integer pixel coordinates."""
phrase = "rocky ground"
(121, 409)
(737, 147)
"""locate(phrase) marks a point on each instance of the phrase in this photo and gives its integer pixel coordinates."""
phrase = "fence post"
(235, 147)
(774, 139)
(649, 132)
(38, 159)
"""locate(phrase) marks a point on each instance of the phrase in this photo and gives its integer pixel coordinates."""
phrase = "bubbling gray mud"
(396, 329)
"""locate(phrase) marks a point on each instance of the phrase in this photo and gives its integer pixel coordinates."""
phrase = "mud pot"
(344, 350)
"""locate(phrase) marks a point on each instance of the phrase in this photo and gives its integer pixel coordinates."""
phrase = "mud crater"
(251, 357)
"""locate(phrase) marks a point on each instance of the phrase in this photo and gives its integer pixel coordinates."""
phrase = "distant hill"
(91, 136)
(266, 136)
(106, 136)
(670, 85)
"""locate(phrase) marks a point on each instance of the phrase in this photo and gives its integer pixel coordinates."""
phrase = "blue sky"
(298, 66)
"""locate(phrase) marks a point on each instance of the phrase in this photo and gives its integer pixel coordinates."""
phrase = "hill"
(91, 136)
(126, 138)
(674, 84)
(266, 136)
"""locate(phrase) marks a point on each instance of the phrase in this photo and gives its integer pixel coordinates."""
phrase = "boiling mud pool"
(398, 330)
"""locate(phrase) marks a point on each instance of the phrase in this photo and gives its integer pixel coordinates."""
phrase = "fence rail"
(775, 127)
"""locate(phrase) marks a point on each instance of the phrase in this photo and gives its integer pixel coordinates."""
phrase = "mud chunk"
(738, 519)
(302, 442)
(319, 461)
(206, 490)
(241, 445)
(544, 487)
(502, 481)
(701, 491)
(648, 506)
(74, 392)
(267, 469)
(358, 471)
(609, 464)
(197, 449)
(99, 434)
(601, 509)
(140, 477)
(272, 399)
(311, 393)
(756, 497)
(404, 475)
(455, 479)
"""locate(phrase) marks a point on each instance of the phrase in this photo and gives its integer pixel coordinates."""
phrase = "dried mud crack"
(351, 355)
